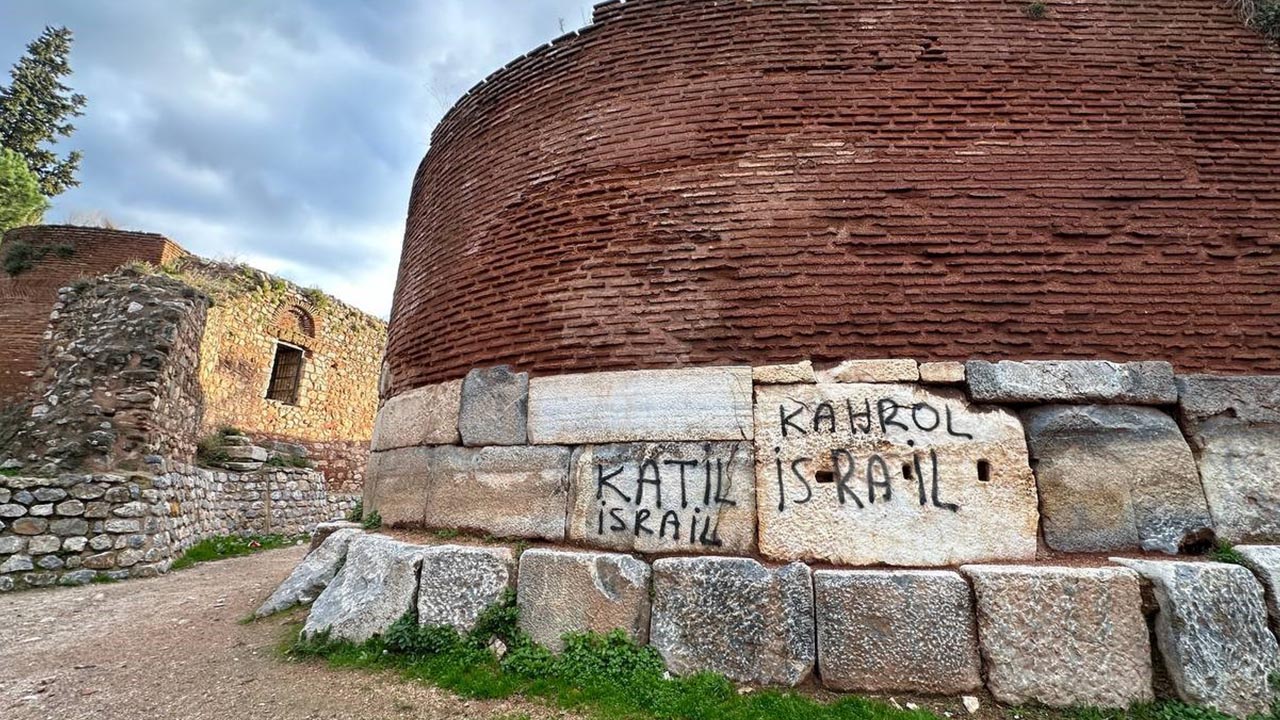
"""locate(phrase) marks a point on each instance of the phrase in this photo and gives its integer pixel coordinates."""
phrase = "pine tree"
(20, 200)
(36, 108)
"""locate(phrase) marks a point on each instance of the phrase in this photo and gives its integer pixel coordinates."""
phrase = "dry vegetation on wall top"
(693, 183)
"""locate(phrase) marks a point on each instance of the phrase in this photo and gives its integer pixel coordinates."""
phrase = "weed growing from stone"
(372, 521)
(1035, 10)
(356, 512)
(1223, 552)
(229, 546)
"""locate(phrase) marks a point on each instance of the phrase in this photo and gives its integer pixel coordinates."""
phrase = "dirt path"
(173, 647)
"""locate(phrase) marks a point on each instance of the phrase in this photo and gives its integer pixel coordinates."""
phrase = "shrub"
(356, 512)
(1035, 10)
(1267, 20)
(372, 521)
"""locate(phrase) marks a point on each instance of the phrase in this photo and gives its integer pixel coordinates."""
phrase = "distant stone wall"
(76, 528)
(61, 254)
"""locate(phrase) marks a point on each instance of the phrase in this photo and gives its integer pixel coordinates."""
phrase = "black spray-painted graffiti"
(674, 500)
(875, 472)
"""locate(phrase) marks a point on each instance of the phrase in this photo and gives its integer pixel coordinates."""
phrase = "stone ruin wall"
(877, 526)
(67, 254)
(78, 528)
(692, 183)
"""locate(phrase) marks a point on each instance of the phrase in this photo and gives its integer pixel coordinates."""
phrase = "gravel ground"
(173, 647)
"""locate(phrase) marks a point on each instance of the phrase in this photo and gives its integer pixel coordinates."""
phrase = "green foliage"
(10, 472)
(356, 512)
(229, 546)
(36, 108)
(316, 298)
(20, 200)
(20, 257)
(210, 452)
(372, 521)
(1035, 10)
(1223, 552)
(446, 533)
(1267, 19)
(288, 461)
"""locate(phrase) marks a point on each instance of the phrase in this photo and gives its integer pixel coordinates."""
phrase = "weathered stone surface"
(10, 544)
(872, 371)
(459, 582)
(495, 407)
(734, 616)
(1115, 477)
(561, 592)
(44, 544)
(612, 407)
(896, 631)
(1030, 381)
(69, 508)
(312, 575)
(801, 372)
(863, 474)
(1264, 561)
(374, 588)
(694, 497)
(1062, 636)
(1213, 635)
(247, 453)
(396, 485)
(1233, 424)
(325, 529)
(29, 526)
(425, 416)
(503, 491)
(16, 563)
(942, 373)
(69, 526)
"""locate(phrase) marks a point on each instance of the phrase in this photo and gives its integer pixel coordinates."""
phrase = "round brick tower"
(690, 183)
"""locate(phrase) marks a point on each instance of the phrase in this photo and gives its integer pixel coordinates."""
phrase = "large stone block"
(460, 582)
(734, 616)
(664, 497)
(1234, 426)
(611, 407)
(872, 371)
(942, 373)
(425, 416)
(1264, 561)
(561, 592)
(495, 407)
(375, 587)
(312, 575)
(1062, 637)
(503, 491)
(396, 485)
(1035, 381)
(896, 631)
(1213, 635)
(1115, 477)
(800, 372)
(865, 474)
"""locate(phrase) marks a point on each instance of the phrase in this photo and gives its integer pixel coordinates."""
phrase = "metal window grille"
(286, 374)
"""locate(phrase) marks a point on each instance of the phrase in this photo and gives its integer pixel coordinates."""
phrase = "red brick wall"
(27, 299)
(693, 182)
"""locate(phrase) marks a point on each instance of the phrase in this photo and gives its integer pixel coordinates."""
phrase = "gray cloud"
(284, 133)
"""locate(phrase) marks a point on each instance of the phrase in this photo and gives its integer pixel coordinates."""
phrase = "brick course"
(686, 182)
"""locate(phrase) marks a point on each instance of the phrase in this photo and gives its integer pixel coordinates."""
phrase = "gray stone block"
(1036, 381)
(907, 631)
(375, 587)
(425, 416)
(664, 497)
(641, 405)
(561, 592)
(1115, 477)
(1062, 637)
(396, 485)
(1213, 635)
(312, 575)
(459, 582)
(734, 616)
(502, 491)
(1264, 561)
(495, 407)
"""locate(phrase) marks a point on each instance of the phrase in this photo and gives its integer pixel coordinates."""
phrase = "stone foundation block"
(561, 592)
(375, 587)
(664, 497)
(611, 407)
(1264, 561)
(425, 416)
(1115, 477)
(872, 371)
(1062, 637)
(312, 575)
(460, 582)
(503, 491)
(1234, 425)
(907, 631)
(396, 485)
(1213, 635)
(942, 373)
(734, 616)
(801, 372)
(1037, 381)
(495, 407)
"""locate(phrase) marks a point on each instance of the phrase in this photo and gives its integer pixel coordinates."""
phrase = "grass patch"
(372, 521)
(1035, 10)
(11, 472)
(1223, 552)
(229, 546)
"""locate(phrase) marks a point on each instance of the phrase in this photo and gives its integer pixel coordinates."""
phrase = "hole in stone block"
(984, 471)
(824, 476)
(906, 471)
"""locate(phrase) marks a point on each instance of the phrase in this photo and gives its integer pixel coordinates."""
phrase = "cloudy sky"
(283, 133)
